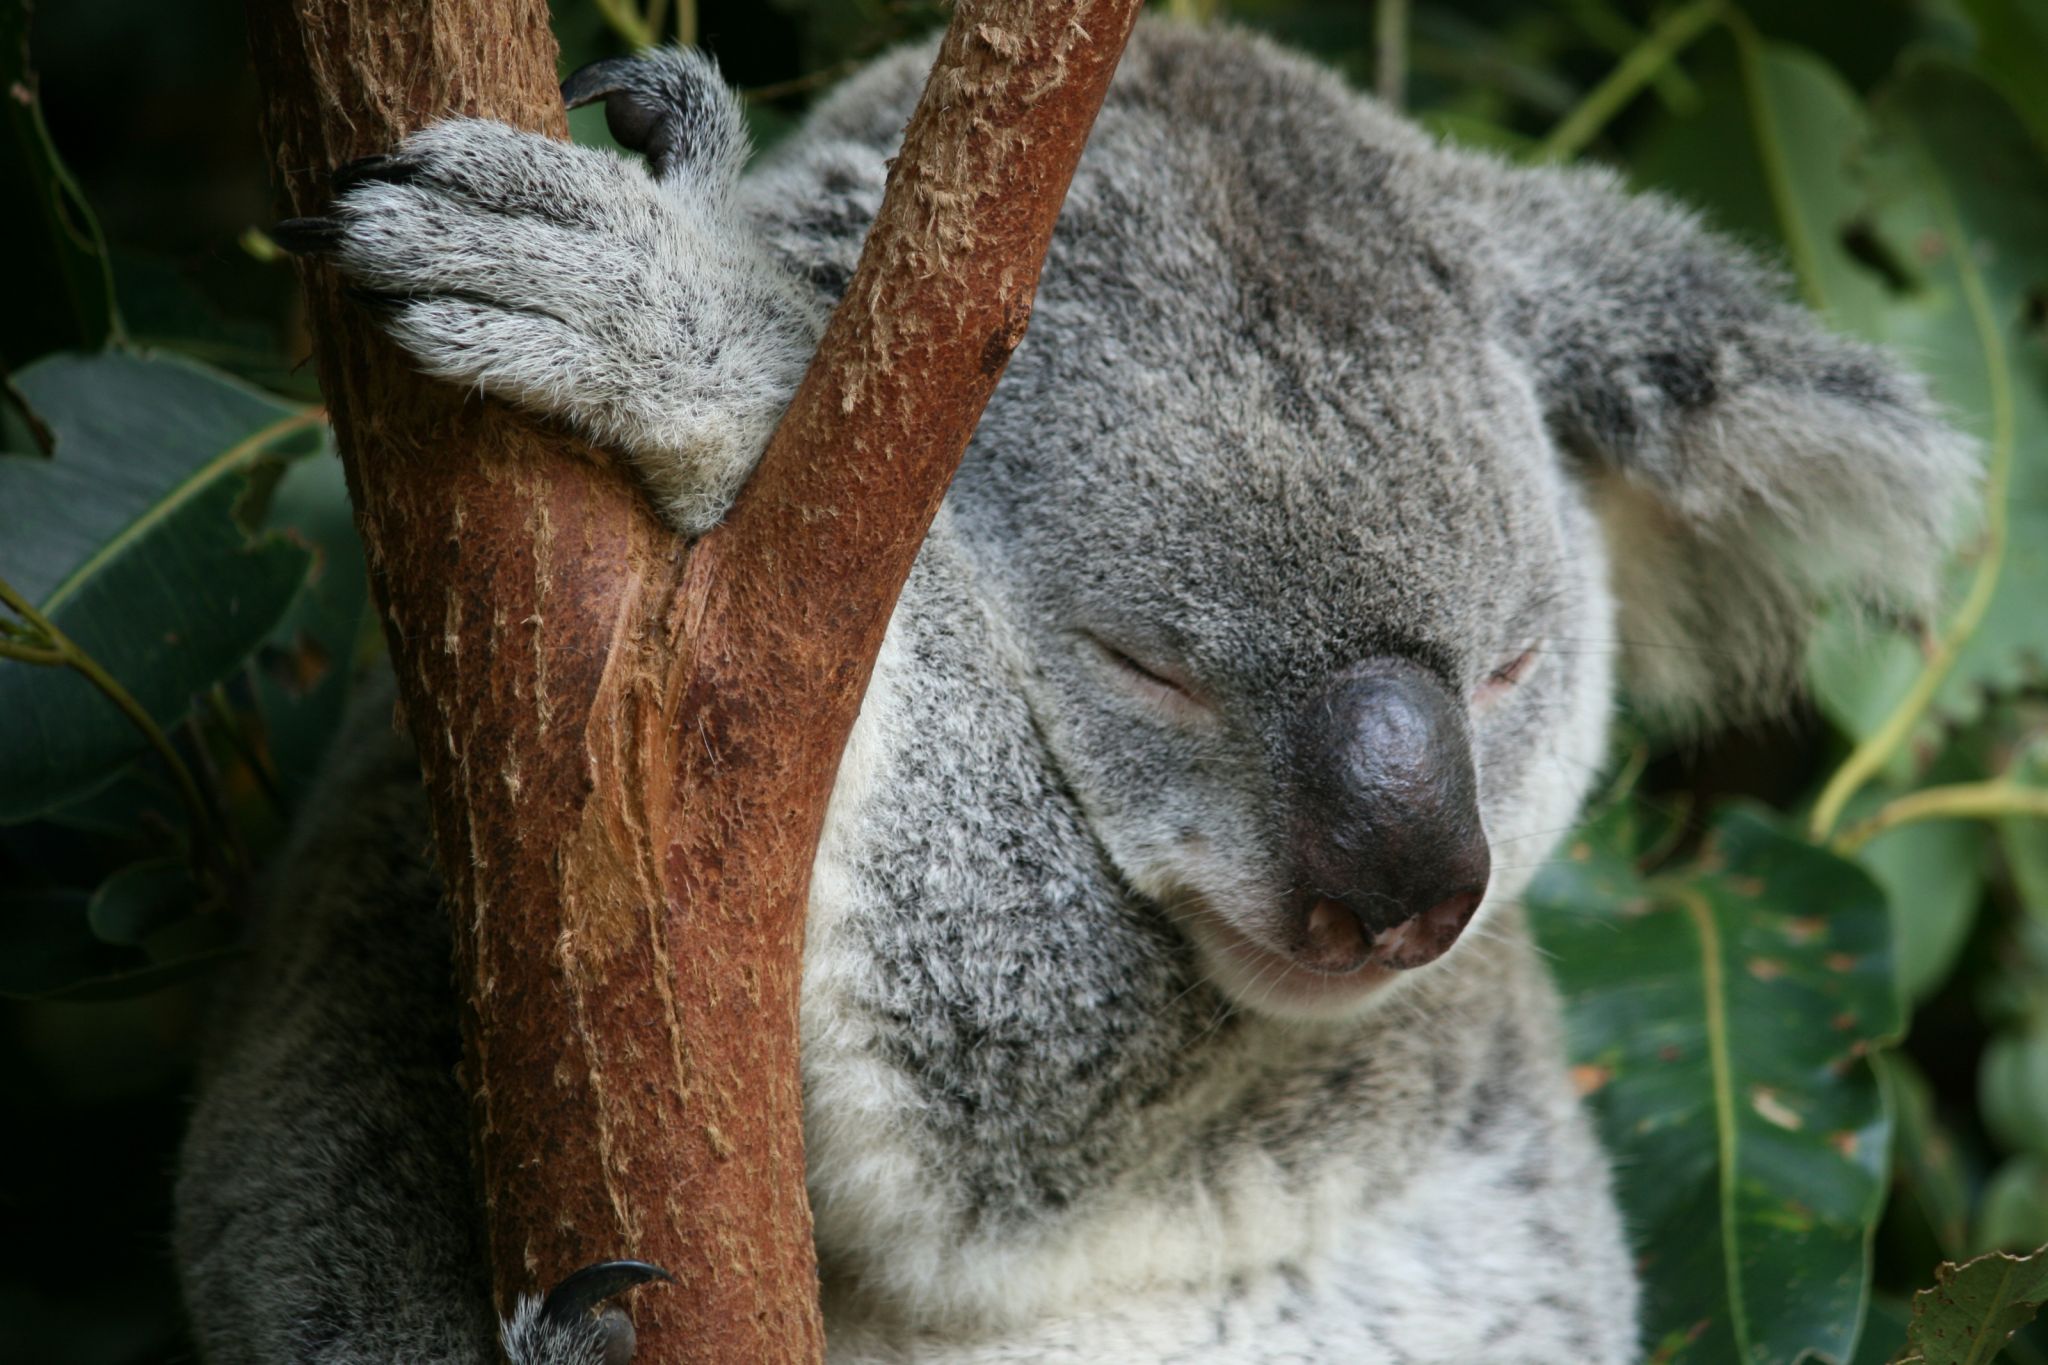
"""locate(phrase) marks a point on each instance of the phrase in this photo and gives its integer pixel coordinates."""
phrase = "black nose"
(1388, 847)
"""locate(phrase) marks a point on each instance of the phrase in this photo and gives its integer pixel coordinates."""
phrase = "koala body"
(1166, 997)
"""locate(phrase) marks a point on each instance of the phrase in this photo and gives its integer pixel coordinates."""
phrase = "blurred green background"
(1892, 155)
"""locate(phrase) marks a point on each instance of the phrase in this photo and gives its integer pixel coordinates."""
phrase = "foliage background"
(1738, 962)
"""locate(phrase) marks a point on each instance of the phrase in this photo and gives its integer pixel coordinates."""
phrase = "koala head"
(1339, 476)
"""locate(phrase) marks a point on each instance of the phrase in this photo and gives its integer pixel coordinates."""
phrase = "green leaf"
(2014, 1215)
(128, 538)
(1932, 877)
(1720, 1022)
(2012, 1087)
(1973, 1308)
(60, 290)
(140, 900)
(47, 952)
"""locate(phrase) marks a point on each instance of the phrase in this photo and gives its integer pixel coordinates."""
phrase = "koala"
(1166, 995)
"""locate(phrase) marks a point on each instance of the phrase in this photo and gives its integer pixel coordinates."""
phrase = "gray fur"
(1302, 387)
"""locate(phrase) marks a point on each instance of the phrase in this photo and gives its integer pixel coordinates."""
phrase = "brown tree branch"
(629, 743)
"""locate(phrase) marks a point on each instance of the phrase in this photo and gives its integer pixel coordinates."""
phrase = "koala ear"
(1747, 463)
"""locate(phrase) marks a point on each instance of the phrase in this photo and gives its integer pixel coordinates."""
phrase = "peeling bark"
(629, 741)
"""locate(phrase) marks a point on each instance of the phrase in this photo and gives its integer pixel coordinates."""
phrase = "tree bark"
(629, 741)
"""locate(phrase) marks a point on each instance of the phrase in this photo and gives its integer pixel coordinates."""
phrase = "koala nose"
(1387, 837)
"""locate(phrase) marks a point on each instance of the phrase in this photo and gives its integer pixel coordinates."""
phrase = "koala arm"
(325, 1206)
(641, 305)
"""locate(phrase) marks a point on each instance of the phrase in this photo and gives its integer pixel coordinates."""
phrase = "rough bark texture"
(629, 742)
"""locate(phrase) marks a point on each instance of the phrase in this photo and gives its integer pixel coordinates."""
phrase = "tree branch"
(628, 742)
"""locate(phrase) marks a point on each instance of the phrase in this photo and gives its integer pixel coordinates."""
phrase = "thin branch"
(1989, 800)
(1679, 29)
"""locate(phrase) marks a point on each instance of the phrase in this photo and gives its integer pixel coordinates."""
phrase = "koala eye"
(1156, 683)
(1497, 683)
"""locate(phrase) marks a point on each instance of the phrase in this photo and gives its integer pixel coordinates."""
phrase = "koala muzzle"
(1388, 845)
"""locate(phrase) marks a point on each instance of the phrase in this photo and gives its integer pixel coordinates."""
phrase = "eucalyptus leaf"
(1973, 1308)
(140, 900)
(130, 537)
(2014, 1215)
(1720, 1019)
(2012, 1087)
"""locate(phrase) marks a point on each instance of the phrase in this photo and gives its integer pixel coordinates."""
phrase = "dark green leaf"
(47, 952)
(1720, 1021)
(140, 900)
(128, 538)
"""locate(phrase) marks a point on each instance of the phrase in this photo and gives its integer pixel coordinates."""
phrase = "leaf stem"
(59, 649)
(1629, 76)
(1870, 756)
(1999, 796)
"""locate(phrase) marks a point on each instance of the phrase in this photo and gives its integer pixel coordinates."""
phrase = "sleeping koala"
(1166, 995)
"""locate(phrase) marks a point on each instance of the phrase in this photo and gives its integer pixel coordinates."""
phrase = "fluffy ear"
(1748, 463)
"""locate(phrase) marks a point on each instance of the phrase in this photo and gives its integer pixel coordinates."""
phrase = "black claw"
(584, 1289)
(645, 105)
(390, 170)
(595, 80)
(307, 236)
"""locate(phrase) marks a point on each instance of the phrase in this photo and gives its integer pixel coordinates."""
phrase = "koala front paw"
(567, 1328)
(640, 308)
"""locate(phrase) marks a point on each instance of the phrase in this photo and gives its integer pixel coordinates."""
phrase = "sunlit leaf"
(1724, 1015)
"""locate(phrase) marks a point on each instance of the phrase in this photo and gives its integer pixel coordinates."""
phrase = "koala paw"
(569, 1328)
(641, 308)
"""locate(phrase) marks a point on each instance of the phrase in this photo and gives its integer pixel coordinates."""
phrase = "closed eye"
(1156, 683)
(1503, 679)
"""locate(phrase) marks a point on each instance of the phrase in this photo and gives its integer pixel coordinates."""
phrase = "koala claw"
(669, 106)
(567, 1327)
(582, 1290)
(307, 236)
